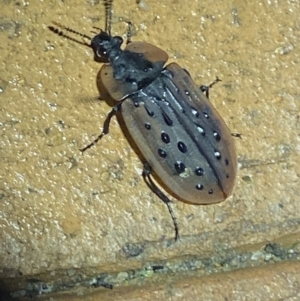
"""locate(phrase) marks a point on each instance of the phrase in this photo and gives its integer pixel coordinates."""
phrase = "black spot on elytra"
(162, 153)
(179, 167)
(217, 136)
(182, 147)
(165, 137)
(199, 187)
(199, 171)
(167, 119)
(150, 113)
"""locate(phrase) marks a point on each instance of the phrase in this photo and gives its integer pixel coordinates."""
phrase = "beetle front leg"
(105, 130)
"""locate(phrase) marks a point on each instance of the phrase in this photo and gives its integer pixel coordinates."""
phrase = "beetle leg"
(237, 135)
(147, 178)
(129, 29)
(206, 88)
(129, 32)
(105, 130)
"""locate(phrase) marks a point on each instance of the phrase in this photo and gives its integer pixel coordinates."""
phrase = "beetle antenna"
(108, 16)
(71, 30)
(62, 34)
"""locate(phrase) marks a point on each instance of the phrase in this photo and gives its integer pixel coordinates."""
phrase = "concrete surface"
(67, 218)
(277, 282)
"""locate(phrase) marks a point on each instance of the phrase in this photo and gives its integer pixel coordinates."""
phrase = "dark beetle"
(182, 137)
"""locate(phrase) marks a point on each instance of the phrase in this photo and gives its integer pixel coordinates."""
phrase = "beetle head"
(106, 47)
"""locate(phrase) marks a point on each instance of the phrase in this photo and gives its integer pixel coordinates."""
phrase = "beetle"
(181, 136)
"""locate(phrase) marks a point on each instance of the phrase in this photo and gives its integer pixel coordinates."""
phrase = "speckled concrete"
(62, 211)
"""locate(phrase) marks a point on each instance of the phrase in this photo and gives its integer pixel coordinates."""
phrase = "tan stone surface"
(60, 210)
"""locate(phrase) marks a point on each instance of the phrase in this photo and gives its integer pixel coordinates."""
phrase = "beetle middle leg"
(147, 178)
(206, 88)
(106, 124)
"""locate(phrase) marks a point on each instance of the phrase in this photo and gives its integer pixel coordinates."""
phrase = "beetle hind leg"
(148, 179)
